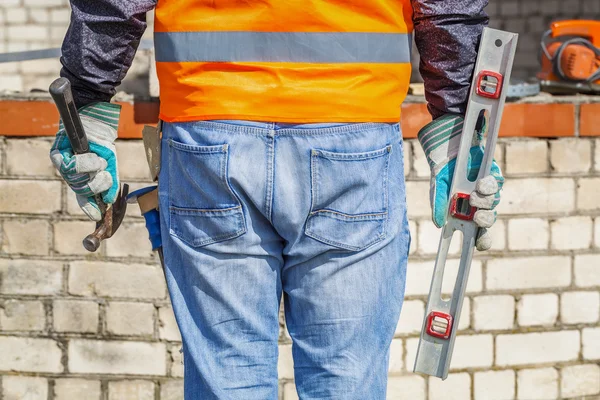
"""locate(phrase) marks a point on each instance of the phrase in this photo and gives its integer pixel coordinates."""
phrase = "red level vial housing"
(439, 325)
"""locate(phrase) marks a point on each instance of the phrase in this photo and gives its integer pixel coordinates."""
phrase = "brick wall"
(76, 325)
(36, 24)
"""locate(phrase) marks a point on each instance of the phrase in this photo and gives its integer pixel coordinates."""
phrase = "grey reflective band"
(301, 47)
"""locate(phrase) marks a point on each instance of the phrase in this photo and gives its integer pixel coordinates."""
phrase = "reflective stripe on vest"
(283, 61)
(302, 47)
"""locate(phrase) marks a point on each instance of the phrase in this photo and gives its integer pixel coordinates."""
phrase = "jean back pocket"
(203, 208)
(349, 198)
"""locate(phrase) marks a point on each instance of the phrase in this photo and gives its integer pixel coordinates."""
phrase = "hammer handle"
(60, 90)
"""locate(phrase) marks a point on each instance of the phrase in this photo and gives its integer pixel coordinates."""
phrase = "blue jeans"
(252, 211)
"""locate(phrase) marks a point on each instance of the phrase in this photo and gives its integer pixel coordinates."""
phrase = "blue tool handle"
(152, 218)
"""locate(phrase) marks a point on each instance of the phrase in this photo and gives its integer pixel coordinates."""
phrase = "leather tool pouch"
(151, 136)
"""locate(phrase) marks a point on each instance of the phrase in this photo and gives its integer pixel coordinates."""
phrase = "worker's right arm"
(97, 52)
(100, 44)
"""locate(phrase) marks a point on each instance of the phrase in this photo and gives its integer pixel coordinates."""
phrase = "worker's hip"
(319, 185)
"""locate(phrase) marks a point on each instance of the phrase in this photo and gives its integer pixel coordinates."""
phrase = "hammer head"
(111, 220)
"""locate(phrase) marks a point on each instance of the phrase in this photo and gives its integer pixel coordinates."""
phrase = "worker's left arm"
(447, 34)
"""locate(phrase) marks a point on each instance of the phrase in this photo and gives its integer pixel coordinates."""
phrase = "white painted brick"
(171, 390)
(132, 160)
(131, 390)
(42, 67)
(534, 348)
(9, 67)
(597, 232)
(580, 380)
(30, 355)
(75, 316)
(167, 325)
(570, 155)
(588, 193)
(528, 234)
(591, 343)
(597, 155)
(420, 164)
(285, 362)
(12, 82)
(418, 280)
(17, 315)
(28, 32)
(30, 277)
(494, 385)
(528, 272)
(411, 352)
(537, 384)
(135, 319)
(24, 388)
(526, 157)
(131, 240)
(75, 388)
(405, 388)
(26, 237)
(580, 307)
(465, 315)
(412, 225)
(473, 351)
(498, 234)
(16, 16)
(39, 15)
(30, 197)
(499, 156)
(429, 238)
(116, 280)
(10, 3)
(57, 33)
(571, 233)
(406, 145)
(68, 237)
(537, 309)
(455, 387)
(60, 16)
(411, 317)
(417, 199)
(494, 312)
(43, 3)
(39, 82)
(586, 270)
(116, 357)
(396, 365)
(176, 361)
(537, 195)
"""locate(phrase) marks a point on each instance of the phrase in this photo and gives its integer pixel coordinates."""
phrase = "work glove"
(94, 172)
(440, 140)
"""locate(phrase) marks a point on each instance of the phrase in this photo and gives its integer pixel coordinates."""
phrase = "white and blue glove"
(440, 140)
(95, 172)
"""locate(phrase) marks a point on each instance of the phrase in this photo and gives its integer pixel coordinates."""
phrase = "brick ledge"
(542, 116)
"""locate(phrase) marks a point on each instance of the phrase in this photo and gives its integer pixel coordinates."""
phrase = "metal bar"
(495, 57)
(145, 44)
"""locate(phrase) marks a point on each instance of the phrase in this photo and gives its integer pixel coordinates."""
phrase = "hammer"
(112, 214)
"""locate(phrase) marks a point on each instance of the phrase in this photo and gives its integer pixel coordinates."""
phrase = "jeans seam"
(270, 171)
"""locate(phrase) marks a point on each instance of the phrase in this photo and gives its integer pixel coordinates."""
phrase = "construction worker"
(282, 171)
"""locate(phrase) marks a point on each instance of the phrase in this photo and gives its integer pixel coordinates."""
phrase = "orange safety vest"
(283, 60)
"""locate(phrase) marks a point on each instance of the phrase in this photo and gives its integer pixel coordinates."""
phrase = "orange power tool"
(571, 57)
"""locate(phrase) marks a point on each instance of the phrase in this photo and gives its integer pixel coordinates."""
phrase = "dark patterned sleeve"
(100, 44)
(447, 33)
